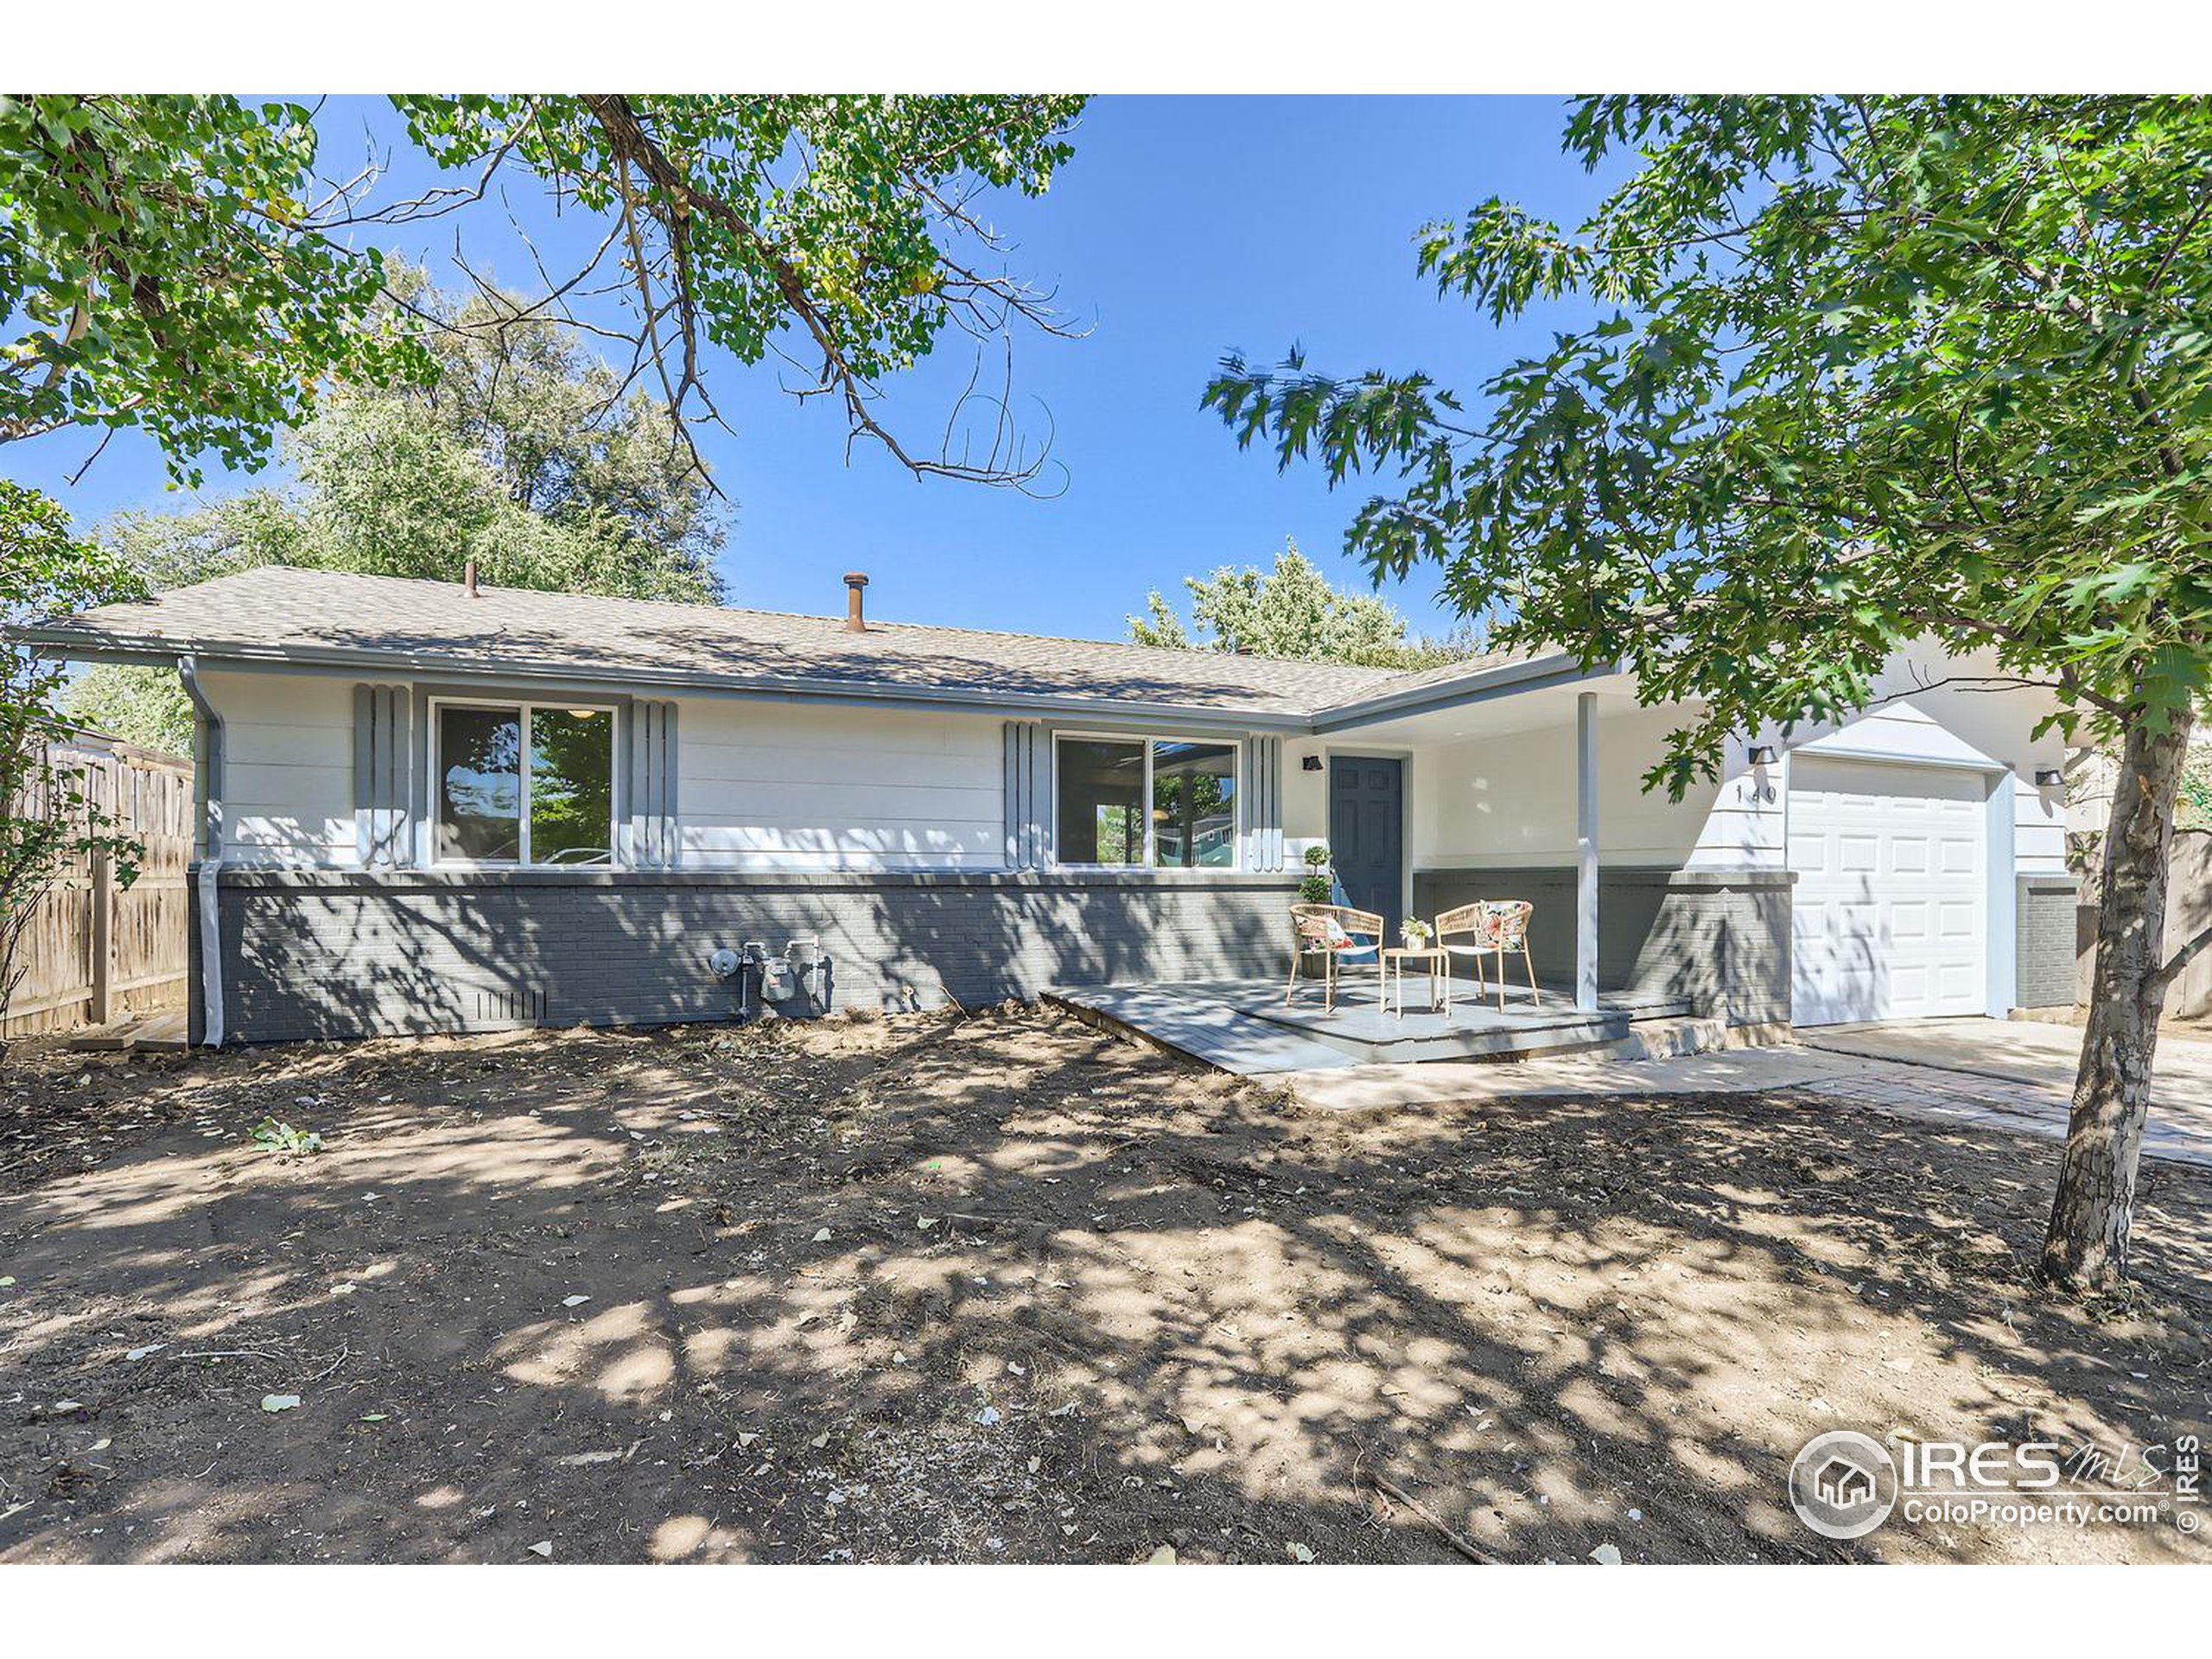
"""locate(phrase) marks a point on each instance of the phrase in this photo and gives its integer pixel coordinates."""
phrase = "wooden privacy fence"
(94, 950)
(2189, 913)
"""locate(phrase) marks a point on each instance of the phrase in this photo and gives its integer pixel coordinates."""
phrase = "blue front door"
(1367, 833)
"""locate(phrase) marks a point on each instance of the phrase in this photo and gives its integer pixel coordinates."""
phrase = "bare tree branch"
(984, 305)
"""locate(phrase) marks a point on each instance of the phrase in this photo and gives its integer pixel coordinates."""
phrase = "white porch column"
(1585, 831)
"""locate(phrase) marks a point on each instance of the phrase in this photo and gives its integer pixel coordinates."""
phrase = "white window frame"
(1150, 740)
(616, 797)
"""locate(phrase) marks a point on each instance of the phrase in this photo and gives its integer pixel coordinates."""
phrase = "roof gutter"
(1506, 681)
(211, 853)
(1481, 686)
(1118, 709)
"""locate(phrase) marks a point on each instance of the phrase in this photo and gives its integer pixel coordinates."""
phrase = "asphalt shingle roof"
(282, 614)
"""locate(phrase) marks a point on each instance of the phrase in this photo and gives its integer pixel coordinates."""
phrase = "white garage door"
(1890, 914)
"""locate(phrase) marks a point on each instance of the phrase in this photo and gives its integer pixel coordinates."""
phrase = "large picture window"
(524, 784)
(1139, 802)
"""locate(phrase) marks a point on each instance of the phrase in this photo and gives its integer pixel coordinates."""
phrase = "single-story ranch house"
(429, 807)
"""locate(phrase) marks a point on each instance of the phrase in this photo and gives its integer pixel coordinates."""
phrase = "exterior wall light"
(2050, 777)
(1762, 755)
(1310, 763)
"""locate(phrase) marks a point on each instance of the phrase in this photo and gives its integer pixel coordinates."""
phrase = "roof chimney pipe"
(855, 621)
(469, 578)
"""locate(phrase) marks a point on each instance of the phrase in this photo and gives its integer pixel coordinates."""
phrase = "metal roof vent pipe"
(468, 579)
(855, 620)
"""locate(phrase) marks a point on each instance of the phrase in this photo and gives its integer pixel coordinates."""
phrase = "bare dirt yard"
(1006, 1289)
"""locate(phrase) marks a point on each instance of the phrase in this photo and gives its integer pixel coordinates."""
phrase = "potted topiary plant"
(1314, 887)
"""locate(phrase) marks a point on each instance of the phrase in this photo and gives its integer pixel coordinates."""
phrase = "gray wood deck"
(1243, 1026)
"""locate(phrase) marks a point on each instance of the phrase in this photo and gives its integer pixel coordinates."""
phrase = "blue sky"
(1183, 228)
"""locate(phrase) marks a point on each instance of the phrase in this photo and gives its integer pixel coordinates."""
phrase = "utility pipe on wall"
(211, 855)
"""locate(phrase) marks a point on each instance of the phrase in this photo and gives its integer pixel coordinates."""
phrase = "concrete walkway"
(1941, 1070)
(2041, 1056)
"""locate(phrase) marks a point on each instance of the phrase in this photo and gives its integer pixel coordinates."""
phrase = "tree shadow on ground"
(1009, 1289)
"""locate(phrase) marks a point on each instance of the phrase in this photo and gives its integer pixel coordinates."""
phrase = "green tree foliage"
(840, 233)
(174, 263)
(147, 705)
(2195, 809)
(565, 438)
(522, 453)
(141, 705)
(1291, 611)
(1857, 373)
(159, 268)
(46, 818)
(1871, 371)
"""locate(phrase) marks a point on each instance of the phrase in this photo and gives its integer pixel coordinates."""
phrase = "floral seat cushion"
(1336, 938)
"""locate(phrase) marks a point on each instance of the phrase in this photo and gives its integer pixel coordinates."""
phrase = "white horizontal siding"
(850, 847)
(758, 766)
(288, 773)
(2038, 827)
(766, 785)
(1508, 801)
(761, 786)
(771, 786)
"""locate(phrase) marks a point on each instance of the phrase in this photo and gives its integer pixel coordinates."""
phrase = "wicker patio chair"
(1491, 927)
(1336, 931)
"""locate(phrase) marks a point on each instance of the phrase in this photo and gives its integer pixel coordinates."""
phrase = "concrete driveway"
(2004, 1074)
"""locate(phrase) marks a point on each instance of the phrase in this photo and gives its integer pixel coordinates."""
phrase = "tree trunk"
(2086, 1246)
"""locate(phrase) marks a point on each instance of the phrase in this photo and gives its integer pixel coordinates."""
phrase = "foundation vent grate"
(511, 1007)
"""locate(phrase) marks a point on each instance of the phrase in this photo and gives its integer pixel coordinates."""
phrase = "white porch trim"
(1586, 848)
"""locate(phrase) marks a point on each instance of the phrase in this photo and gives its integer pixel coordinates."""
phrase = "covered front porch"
(1529, 785)
(1246, 1025)
(1655, 924)
(1495, 781)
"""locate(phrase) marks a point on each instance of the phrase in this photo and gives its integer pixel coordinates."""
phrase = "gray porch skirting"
(1719, 939)
(345, 954)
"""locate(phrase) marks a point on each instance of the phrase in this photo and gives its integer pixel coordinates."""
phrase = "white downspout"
(211, 857)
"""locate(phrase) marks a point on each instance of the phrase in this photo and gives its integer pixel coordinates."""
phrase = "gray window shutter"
(381, 766)
(1263, 806)
(653, 842)
(1028, 780)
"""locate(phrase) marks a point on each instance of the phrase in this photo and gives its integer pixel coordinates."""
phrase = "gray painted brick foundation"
(1718, 937)
(343, 954)
(2043, 968)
